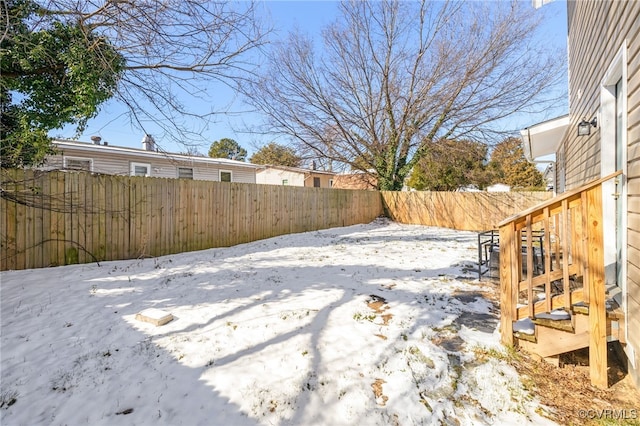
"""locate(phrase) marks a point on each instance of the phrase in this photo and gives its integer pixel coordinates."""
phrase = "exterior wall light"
(584, 127)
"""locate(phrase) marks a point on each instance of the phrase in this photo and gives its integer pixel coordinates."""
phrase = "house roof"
(544, 138)
(296, 170)
(92, 147)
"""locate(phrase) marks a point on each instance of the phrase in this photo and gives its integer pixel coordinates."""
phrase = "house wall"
(112, 162)
(294, 177)
(355, 181)
(271, 176)
(325, 179)
(590, 55)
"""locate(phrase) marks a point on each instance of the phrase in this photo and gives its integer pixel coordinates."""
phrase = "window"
(225, 176)
(185, 173)
(78, 163)
(316, 182)
(285, 181)
(330, 183)
(140, 169)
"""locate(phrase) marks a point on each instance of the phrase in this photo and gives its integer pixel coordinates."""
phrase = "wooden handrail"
(558, 199)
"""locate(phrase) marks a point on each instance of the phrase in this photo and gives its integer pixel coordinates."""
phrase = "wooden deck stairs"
(553, 297)
(565, 330)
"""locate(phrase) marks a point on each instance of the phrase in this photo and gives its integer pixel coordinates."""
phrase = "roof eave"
(544, 138)
(90, 147)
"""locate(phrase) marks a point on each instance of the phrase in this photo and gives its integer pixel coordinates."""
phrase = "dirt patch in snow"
(379, 306)
(381, 398)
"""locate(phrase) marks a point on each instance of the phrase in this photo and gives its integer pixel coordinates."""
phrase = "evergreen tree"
(227, 148)
(276, 155)
(510, 166)
(450, 165)
(51, 74)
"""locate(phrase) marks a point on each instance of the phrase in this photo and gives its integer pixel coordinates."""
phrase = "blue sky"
(310, 16)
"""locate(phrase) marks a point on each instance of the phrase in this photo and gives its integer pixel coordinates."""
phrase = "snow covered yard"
(375, 324)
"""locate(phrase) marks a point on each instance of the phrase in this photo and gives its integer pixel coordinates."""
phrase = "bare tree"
(174, 50)
(392, 77)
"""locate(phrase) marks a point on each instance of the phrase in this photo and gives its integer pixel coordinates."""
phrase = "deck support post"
(595, 284)
(508, 294)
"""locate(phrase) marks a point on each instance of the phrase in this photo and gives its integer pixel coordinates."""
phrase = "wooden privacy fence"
(58, 218)
(468, 211)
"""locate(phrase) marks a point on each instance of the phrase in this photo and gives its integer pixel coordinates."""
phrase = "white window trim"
(133, 165)
(65, 158)
(220, 172)
(607, 122)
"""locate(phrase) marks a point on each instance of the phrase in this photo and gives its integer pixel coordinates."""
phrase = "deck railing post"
(529, 251)
(595, 275)
(546, 248)
(566, 251)
(507, 291)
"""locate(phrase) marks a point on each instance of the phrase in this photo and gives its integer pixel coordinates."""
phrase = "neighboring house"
(99, 157)
(601, 135)
(355, 180)
(549, 176)
(468, 188)
(294, 176)
(498, 187)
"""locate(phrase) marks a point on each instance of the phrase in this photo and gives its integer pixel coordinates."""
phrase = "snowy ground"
(365, 325)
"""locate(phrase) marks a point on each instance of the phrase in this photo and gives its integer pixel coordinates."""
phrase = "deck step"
(562, 325)
(615, 314)
(551, 341)
(580, 308)
(614, 311)
(525, 329)
(558, 319)
(525, 336)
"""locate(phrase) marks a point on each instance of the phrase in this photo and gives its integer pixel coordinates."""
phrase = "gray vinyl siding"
(117, 163)
(590, 53)
(632, 20)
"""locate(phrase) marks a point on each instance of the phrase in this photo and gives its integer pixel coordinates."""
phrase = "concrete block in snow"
(154, 316)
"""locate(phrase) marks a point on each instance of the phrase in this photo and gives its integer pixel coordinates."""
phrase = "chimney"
(96, 140)
(148, 144)
(313, 165)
